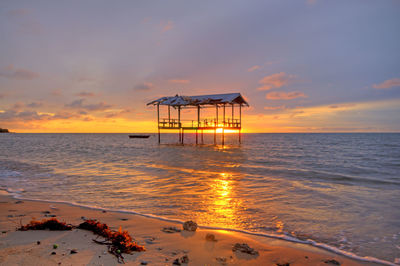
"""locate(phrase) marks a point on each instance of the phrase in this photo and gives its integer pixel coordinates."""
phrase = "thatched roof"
(213, 99)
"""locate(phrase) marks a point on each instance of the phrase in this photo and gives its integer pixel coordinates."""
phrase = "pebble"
(53, 253)
(38, 242)
(73, 251)
(143, 262)
(332, 261)
(181, 260)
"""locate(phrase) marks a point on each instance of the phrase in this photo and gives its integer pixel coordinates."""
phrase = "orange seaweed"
(50, 224)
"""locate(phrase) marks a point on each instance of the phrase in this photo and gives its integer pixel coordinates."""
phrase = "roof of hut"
(213, 99)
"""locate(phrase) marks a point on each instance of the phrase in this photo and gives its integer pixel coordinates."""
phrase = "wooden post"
(202, 139)
(223, 127)
(215, 136)
(158, 123)
(233, 114)
(182, 135)
(216, 119)
(169, 115)
(179, 123)
(197, 142)
(240, 123)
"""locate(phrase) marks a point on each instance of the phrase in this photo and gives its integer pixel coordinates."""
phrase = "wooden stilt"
(215, 136)
(182, 135)
(223, 137)
(202, 138)
(240, 139)
(158, 123)
(197, 142)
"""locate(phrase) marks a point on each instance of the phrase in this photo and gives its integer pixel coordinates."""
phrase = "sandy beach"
(22, 248)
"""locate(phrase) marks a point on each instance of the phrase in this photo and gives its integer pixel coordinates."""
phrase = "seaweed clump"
(50, 224)
(118, 242)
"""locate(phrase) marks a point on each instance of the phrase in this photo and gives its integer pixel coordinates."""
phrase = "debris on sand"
(73, 251)
(190, 226)
(244, 248)
(211, 237)
(118, 242)
(171, 230)
(50, 224)
(332, 261)
(182, 260)
(221, 260)
(283, 264)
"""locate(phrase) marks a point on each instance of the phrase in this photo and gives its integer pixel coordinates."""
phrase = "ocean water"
(338, 191)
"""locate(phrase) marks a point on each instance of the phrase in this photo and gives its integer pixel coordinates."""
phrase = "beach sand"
(22, 248)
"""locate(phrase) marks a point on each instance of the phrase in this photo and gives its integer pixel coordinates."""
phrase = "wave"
(17, 195)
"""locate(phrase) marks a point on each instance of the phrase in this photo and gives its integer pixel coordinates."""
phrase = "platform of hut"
(218, 101)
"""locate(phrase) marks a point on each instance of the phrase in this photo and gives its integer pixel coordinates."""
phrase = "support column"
(240, 123)
(202, 138)
(158, 123)
(197, 137)
(223, 137)
(215, 136)
(182, 134)
(169, 115)
(179, 124)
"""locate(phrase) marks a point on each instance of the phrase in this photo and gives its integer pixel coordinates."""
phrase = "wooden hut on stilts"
(218, 101)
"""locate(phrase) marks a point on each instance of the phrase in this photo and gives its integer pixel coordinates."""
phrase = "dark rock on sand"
(244, 248)
(182, 260)
(283, 264)
(73, 251)
(53, 253)
(190, 226)
(221, 260)
(19, 202)
(332, 261)
(143, 263)
(38, 242)
(211, 237)
(170, 230)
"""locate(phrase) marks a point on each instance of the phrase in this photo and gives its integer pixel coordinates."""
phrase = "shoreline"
(162, 248)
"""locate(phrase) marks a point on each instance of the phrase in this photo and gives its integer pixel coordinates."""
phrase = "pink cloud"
(166, 26)
(387, 84)
(86, 94)
(17, 73)
(275, 81)
(253, 68)
(285, 95)
(179, 81)
(275, 107)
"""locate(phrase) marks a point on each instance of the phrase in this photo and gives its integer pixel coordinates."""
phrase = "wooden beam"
(158, 123)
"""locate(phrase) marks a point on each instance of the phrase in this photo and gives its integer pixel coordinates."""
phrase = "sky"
(303, 65)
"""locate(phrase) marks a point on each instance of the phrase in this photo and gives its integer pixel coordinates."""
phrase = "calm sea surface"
(342, 190)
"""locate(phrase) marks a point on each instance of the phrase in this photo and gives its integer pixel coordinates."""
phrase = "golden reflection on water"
(222, 203)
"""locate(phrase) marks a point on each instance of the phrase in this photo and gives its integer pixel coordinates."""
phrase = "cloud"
(281, 107)
(285, 95)
(35, 104)
(13, 115)
(179, 81)
(253, 68)
(166, 26)
(56, 92)
(146, 86)
(275, 81)
(387, 84)
(17, 73)
(79, 104)
(85, 94)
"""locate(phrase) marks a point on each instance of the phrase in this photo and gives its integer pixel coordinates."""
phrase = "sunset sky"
(303, 66)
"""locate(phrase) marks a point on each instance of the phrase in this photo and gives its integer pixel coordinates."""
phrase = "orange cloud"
(387, 84)
(179, 81)
(146, 86)
(285, 95)
(275, 81)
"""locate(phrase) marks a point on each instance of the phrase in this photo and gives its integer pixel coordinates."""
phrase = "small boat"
(139, 136)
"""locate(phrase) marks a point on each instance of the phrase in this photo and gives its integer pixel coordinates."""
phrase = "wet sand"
(22, 248)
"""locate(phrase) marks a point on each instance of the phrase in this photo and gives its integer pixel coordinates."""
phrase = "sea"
(340, 192)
